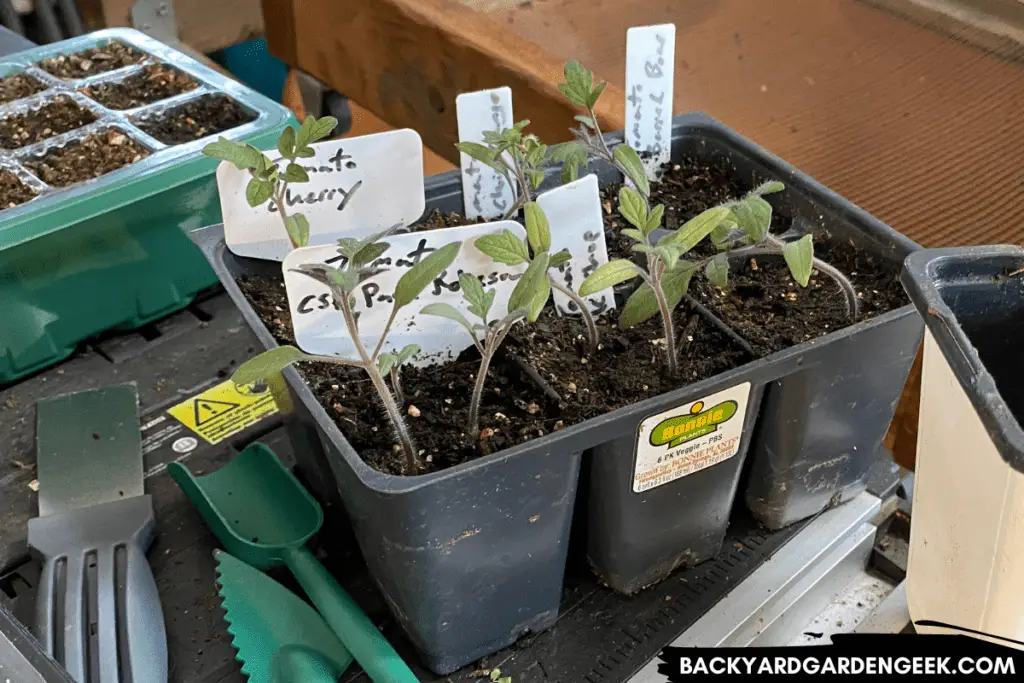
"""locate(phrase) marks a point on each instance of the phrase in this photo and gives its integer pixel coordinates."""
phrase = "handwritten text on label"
(390, 166)
(486, 193)
(650, 70)
(574, 213)
(320, 328)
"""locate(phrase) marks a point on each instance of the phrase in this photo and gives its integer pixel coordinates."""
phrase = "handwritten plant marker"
(574, 214)
(357, 186)
(650, 70)
(486, 193)
(320, 329)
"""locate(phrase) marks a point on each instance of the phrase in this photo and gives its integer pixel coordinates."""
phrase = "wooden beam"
(405, 61)
(204, 25)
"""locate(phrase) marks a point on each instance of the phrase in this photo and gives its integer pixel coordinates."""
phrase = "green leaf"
(769, 187)
(642, 248)
(298, 229)
(635, 235)
(520, 126)
(406, 354)
(538, 232)
(448, 311)
(642, 304)
(313, 129)
(505, 248)
(349, 246)
(578, 83)
(608, 275)
(632, 207)
(286, 143)
(243, 156)
(533, 289)
(695, 229)
(570, 172)
(558, 259)
(386, 361)
(754, 217)
(595, 94)
(267, 363)
(483, 154)
(668, 254)
(305, 152)
(480, 302)
(296, 174)
(799, 257)
(258, 191)
(717, 270)
(536, 178)
(423, 273)
(369, 253)
(722, 234)
(586, 121)
(630, 162)
(567, 151)
(654, 219)
(341, 282)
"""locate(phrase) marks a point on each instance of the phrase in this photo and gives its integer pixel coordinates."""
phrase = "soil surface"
(772, 312)
(91, 157)
(156, 82)
(207, 115)
(96, 60)
(13, 191)
(54, 118)
(629, 365)
(19, 86)
(514, 409)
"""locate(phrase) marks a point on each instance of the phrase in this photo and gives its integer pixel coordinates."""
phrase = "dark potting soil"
(90, 157)
(513, 409)
(61, 115)
(96, 60)
(765, 306)
(198, 118)
(156, 82)
(13, 191)
(19, 86)
(629, 365)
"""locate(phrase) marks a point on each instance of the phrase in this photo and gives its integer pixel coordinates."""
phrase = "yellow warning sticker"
(224, 410)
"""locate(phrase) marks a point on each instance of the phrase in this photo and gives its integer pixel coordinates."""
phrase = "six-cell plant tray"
(82, 113)
(101, 177)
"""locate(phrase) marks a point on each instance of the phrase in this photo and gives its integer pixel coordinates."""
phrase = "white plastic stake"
(650, 70)
(387, 166)
(486, 194)
(574, 214)
(320, 328)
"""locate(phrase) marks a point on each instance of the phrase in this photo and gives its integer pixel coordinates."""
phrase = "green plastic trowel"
(262, 515)
(279, 637)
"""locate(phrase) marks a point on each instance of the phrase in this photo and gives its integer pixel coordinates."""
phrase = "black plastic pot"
(466, 575)
(824, 410)
(974, 309)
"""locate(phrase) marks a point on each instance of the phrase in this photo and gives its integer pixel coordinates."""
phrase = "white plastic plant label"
(320, 328)
(574, 215)
(690, 438)
(384, 169)
(650, 70)
(486, 194)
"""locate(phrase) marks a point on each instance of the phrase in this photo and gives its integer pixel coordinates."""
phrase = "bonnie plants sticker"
(689, 438)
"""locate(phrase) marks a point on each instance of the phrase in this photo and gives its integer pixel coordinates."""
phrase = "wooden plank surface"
(406, 61)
